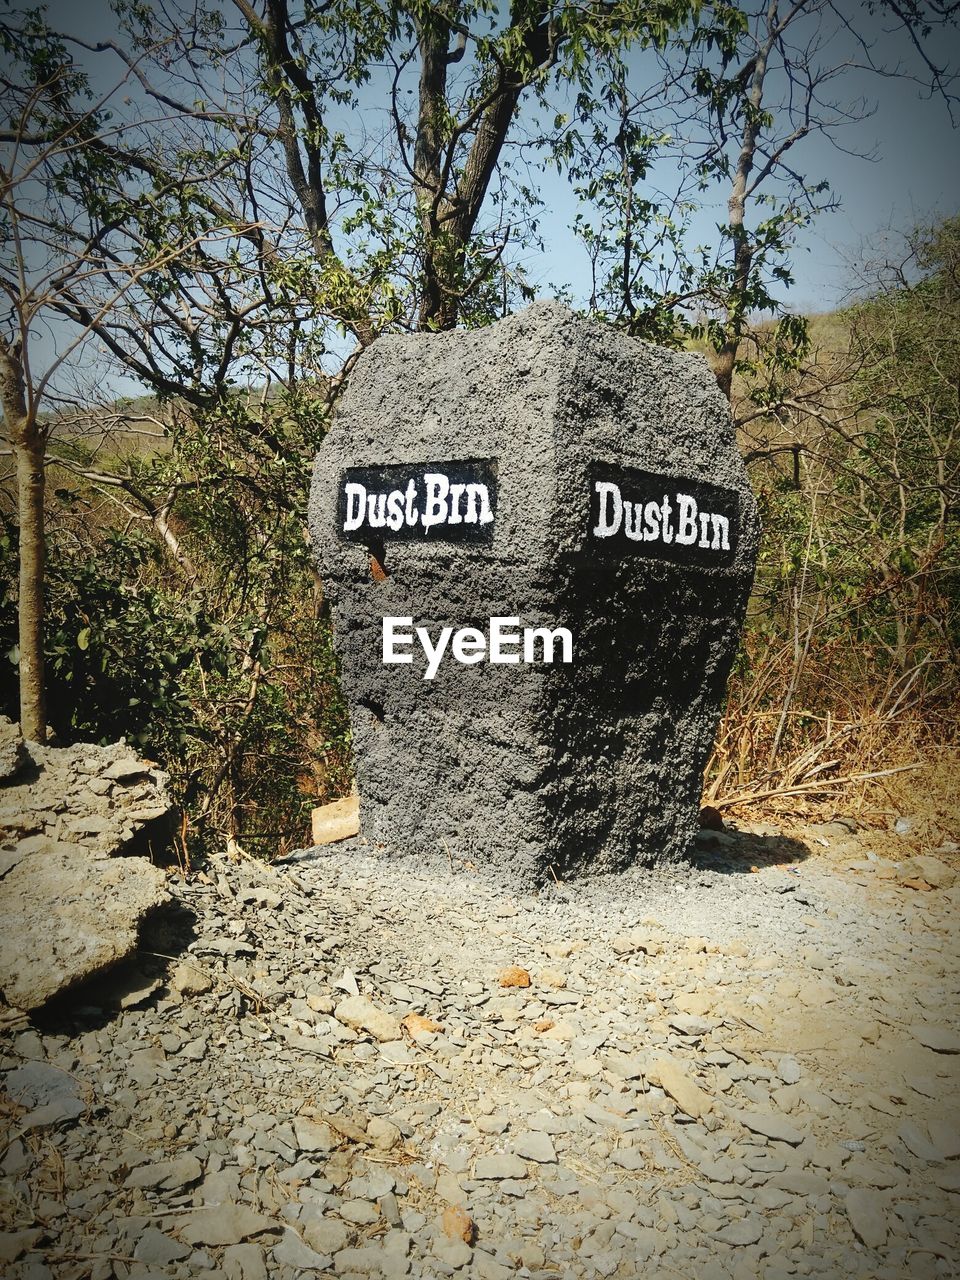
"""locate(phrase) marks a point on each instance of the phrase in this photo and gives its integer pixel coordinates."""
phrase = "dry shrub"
(875, 753)
(847, 694)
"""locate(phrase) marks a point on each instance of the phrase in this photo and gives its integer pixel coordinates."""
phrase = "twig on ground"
(817, 784)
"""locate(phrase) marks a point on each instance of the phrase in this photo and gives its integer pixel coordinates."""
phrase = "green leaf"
(83, 638)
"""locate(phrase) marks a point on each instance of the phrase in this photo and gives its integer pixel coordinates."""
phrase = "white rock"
(675, 1081)
(747, 1231)
(535, 1146)
(66, 916)
(770, 1125)
(292, 1252)
(789, 1070)
(867, 1214)
(227, 1223)
(940, 1039)
(361, 1014)
(500, 1166)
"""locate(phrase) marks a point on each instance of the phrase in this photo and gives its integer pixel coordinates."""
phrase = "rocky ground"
(356, 1065)
(80, 828)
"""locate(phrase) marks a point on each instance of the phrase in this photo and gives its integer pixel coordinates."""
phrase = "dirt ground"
(355, 1064)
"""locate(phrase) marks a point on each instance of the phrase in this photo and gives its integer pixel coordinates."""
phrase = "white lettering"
(499, 636)
(455, 491)
(428, 501)
(469, 646)
(631, 516)
(547, 640)
(686, 520)
(704, 523)
(376, 510)
(477, 493)
(721, 532)
(437, 489)
(666, 510)
(395, 510)
(410, 512)
(433, 654)
(676, 518)
(356, 496)
(392, 637)
(611, 509)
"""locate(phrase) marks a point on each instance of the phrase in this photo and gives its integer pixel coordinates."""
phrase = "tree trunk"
(736, 208)
(448, 217)
(30, 480)
(28, 444)
(434, 40)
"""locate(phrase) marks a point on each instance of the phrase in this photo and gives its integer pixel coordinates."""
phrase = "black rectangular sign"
(634, 512)
(422, 501)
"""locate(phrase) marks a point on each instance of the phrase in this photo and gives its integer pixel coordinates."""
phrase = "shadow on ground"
(738, 852)
(136, 982)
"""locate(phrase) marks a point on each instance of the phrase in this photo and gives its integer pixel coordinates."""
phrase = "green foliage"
(115, 655)
(220, 664)
(130, 654)
(907, 483)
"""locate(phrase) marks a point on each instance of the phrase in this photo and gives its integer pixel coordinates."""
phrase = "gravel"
(237, 1117)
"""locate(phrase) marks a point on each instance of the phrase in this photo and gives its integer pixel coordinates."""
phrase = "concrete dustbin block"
(555, 473)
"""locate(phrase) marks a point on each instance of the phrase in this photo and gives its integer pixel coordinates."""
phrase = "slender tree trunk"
(30, 482)
(448, 204)
(28, 444)
(434, 40)
(736, 208)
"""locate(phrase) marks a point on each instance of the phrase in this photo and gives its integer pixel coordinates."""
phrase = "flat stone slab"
(866, 1210)
(939, 1039)
(769, 1125)
(535, 1146)
(226, 1224)
(66, 916)
(499, 1167)
(675, 1080)
(361, 1014)
(339, 820)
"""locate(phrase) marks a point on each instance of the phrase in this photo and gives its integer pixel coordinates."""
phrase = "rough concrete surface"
(590, 766)
(739, 1069)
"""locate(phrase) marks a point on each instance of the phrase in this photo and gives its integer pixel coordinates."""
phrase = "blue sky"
(900, 166)
(915, 172)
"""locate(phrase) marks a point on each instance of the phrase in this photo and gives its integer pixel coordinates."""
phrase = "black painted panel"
(688, 522)
(429, 501)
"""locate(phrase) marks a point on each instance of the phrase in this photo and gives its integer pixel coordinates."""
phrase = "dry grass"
(876, 777)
